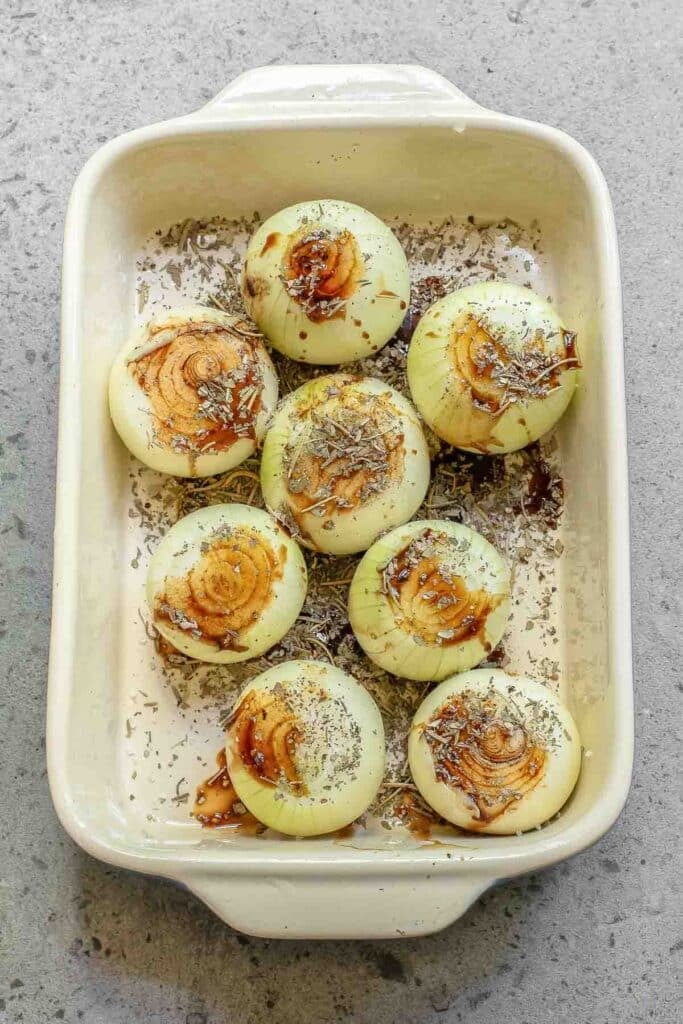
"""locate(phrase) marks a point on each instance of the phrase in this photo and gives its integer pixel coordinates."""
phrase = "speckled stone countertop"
(594, 941)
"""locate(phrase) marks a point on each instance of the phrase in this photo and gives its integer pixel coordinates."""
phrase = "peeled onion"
(192, 391)
(326, 281)
(495, 753)
(428, 599)
(491, 367)
(344, 459)
(305, 748)
(226, 583)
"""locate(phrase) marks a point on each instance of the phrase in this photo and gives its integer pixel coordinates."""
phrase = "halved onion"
(305, 748)
(326, 281)
(429, 599)
(494, 753)
(344, 459)
(192, 391)
(226, 583)
(491, 367)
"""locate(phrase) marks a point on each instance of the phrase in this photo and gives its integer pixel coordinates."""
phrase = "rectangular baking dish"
(398, 140)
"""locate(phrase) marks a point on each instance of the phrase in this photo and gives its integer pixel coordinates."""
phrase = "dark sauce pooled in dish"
(216, 802)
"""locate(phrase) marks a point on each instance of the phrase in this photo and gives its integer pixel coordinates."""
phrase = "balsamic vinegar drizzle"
(216, 803)
(429, 599)
(480, 750)
(322, 271)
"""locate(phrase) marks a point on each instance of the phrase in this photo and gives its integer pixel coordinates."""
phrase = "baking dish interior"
(136, 186)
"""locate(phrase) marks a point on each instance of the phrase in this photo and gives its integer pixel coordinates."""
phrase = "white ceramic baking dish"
(399, 140)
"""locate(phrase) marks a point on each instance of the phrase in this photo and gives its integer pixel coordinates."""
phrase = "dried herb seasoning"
(516, 501)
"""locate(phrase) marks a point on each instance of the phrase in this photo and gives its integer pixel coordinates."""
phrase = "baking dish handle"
(339, 88)
(324, 906)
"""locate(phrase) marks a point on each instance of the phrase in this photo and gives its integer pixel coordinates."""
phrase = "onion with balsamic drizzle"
(326, 281)
(344, 460)
(226, 583)
(428, 599)
(305, 748)
(491, 367)
(192, 391)
(494, 753)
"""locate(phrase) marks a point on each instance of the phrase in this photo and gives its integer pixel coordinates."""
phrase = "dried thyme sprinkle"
(180, 798)
(227, 399)
(143, 296)
(524, 374)
(343, 440)
(181, 620)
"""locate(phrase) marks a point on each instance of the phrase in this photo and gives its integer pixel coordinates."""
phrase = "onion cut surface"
(326, 281)
(491, 367)
(429, 598)
(226, 583)
(305, 748)
(494, 753)
(345, 458)
(192, 391)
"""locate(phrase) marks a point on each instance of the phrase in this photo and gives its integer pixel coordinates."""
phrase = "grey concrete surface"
(594, 941)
